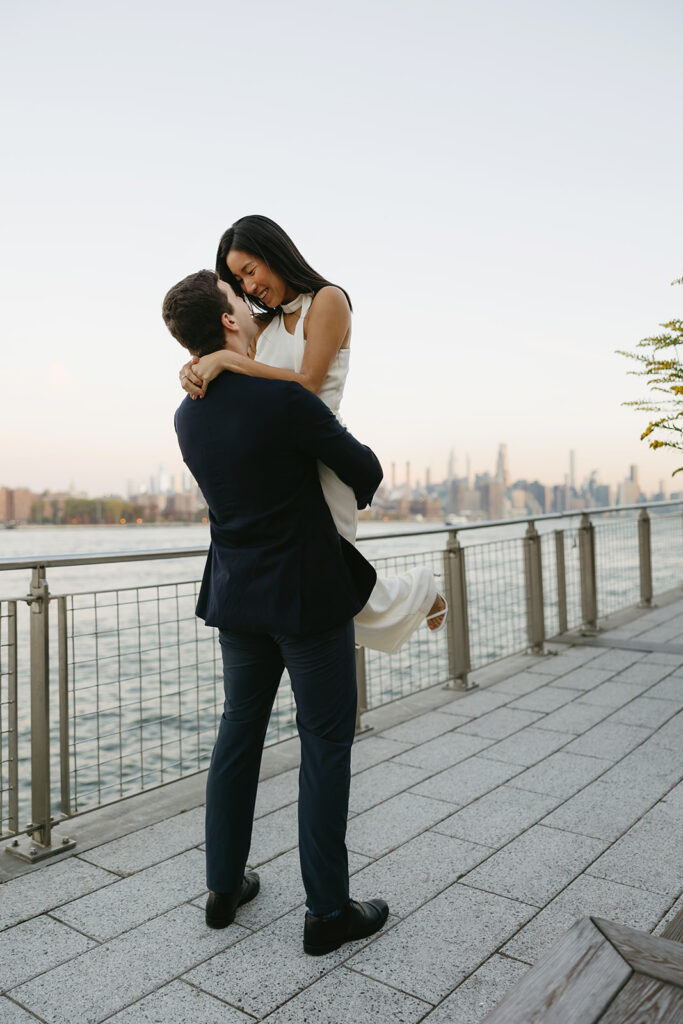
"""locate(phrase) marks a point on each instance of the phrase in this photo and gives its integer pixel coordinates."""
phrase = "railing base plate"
(460, 685)
(28, 850)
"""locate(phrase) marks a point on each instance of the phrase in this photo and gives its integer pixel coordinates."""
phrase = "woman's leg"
(252, 668)
(397, 604)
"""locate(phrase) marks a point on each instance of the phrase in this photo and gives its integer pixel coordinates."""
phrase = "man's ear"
(229, 322)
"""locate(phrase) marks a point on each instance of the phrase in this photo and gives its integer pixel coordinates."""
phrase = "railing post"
(645, 553)
(589, 596)
(361, 683)
(561, 581)
(457, 623)
(39, 844)
(533, 574)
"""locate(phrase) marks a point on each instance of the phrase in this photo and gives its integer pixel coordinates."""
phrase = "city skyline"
(498, 219)
(169, 480)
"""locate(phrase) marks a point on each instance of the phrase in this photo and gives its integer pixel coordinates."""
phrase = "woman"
(304, 337)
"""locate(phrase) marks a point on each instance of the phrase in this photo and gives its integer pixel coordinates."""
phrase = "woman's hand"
(196, 375)
(189, 381)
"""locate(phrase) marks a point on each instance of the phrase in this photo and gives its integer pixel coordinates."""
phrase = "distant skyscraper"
(408, 479)
(428, 477)
(502, 470)
(451, 465)
(572, 470)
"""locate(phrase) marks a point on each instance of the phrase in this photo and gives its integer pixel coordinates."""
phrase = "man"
(282, 587)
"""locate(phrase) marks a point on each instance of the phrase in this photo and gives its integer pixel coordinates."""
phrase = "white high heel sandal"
(437, 615)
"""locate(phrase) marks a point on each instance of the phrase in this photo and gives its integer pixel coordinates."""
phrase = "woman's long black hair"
(263, 238)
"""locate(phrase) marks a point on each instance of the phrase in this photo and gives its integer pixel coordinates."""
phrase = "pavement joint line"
(6, 995)
(638, 888)
(356, 970)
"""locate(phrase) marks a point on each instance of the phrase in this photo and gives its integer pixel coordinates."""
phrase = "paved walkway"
(489, 820)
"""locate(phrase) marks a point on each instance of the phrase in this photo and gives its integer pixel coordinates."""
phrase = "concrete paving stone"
(481, 993)
(268, 967)
(10, 1013)
(371, 750)
(434, 949)
(668, 689)
(137, 898)
(422, 728)
(576, 717)
(150, 845)
(645, 711)
(274, 834)
(53, 884)
(535, 866)
(616, 659)
(609, 740)
(612, 694)
(601, 810)
(675, 661)
(382, 782)
(561, 774)
(649, 768)
(382, 828)
(644, 672)
(36, 946)
(466, 781)
(523, 682)
(277, 792)
(649, 856)
(528, 746)
(673, 912)
(674, 799)
(346, 997)
(497, 817)
(500, 723)
(105, 979)
(444, 751)
(415, 872)
(179, 1003)
(476, 703)
(585, 677)
(584, 897)
(548, 698)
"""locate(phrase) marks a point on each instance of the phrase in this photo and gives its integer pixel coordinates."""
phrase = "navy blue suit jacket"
(276, 562)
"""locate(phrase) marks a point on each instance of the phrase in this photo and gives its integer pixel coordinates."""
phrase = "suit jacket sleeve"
(318, 432)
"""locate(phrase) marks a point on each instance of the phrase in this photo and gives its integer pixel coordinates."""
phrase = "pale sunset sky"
(497, 185)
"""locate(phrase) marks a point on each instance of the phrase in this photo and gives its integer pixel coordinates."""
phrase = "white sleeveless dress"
(397, 604)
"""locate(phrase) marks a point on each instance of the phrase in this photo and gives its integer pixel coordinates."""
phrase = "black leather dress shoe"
(221, 906)
(356, 921)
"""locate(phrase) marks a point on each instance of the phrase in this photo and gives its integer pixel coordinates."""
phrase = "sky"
(496, 184)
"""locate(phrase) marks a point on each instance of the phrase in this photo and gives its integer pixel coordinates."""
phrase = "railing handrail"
(51, 561)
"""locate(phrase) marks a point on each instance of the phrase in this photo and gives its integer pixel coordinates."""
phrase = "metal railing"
(136, 679)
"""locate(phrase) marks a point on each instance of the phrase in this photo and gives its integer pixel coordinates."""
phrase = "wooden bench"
(602, 972)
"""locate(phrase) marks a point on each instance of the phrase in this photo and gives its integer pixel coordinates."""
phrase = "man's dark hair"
(192, 311)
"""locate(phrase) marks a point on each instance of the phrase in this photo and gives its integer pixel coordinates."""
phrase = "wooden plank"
(648, 954)
(573, 984)
(645, 1000)
(674, 929)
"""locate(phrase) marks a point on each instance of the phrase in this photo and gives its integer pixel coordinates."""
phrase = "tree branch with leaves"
(659, 361)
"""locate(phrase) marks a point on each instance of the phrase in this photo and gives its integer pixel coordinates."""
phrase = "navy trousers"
(322, 670)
